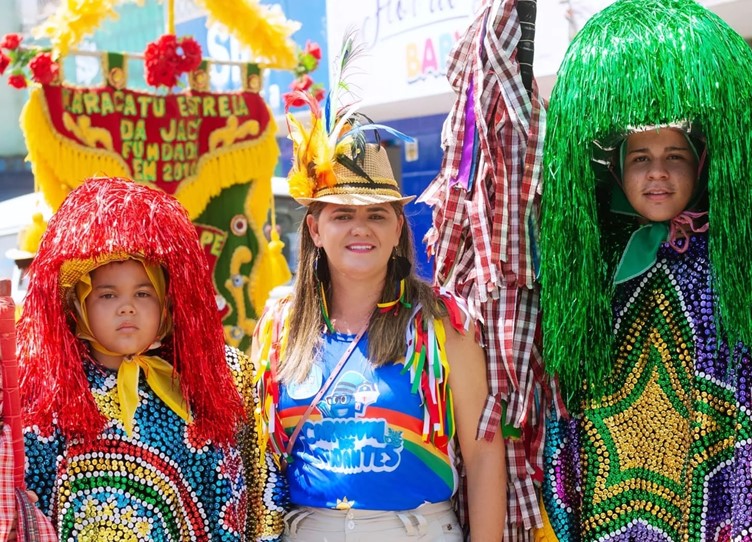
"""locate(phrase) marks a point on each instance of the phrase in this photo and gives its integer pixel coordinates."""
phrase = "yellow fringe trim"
(262, 28)
(249, 161)
(61, 164)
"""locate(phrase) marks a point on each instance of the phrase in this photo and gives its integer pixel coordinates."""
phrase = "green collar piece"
(641, 252)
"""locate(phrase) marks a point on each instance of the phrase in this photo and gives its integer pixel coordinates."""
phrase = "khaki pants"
(427, 523)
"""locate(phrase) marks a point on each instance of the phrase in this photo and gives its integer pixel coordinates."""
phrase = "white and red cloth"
(485, 217)
(33, 525)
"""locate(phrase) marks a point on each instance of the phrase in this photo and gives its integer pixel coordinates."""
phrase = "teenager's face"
(123, 309)
(660, 173)
(358, 239)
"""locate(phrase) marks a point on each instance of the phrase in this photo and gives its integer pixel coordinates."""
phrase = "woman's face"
(660, 173)
(358, 239)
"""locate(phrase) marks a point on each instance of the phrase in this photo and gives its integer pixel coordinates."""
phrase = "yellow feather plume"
(299, 134)
(300, 185)
(72, 21)
(262, 28)
(323, 155)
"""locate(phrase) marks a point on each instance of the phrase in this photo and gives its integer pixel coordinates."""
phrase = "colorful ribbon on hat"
(160, 375)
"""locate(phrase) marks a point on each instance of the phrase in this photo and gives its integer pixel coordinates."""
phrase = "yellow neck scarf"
(160, 375)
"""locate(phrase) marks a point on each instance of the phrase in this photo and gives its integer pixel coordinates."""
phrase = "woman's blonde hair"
(386, 331)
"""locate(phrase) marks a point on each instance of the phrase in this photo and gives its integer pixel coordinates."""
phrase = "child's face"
(660, 173)
(123, 309)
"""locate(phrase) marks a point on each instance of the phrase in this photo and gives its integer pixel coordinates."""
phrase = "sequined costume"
(667, 452)
(650, 354)
(158, 485)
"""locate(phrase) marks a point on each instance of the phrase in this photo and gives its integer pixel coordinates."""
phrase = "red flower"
(160, 62)
(312, 48)
(43, 69)
(168, 43)
(302, 83)
(4, 62)
(293, 99)
(17, 81)
(11, 41)
(163, 63)
(192, 53)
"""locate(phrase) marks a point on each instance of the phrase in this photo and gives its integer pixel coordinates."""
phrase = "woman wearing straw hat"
(367, 374)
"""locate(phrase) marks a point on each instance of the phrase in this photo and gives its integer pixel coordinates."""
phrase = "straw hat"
(373, 184)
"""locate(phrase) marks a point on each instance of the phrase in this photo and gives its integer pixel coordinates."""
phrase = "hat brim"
(355, 199)
(18, 254)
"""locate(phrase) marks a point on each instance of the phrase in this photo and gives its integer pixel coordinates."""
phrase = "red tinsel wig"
(107, 216)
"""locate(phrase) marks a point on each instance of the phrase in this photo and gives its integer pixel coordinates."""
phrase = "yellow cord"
(170, 16)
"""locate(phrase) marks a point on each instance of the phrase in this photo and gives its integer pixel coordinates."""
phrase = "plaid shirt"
(483, 238)
(32, 526)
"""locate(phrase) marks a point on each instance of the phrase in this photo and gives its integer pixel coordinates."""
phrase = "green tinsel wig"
(640, 63)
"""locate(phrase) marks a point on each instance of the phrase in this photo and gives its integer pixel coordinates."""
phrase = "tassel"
(31, 235)
(271, 271)
(279, 272)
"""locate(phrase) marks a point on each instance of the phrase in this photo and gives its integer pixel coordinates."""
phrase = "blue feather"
(373, 126)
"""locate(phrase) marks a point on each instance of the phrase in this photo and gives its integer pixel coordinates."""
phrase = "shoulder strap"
(322, 391)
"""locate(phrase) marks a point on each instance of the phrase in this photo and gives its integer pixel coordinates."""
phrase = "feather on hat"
(332, 162)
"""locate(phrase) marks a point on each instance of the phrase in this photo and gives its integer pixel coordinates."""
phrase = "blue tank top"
(362, 445)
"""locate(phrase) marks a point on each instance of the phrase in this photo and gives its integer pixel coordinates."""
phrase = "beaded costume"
(666, 454)
(654, 366)
(158, 485)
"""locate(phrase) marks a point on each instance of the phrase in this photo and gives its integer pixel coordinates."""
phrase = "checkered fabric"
(484, 234)
(32, 525)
